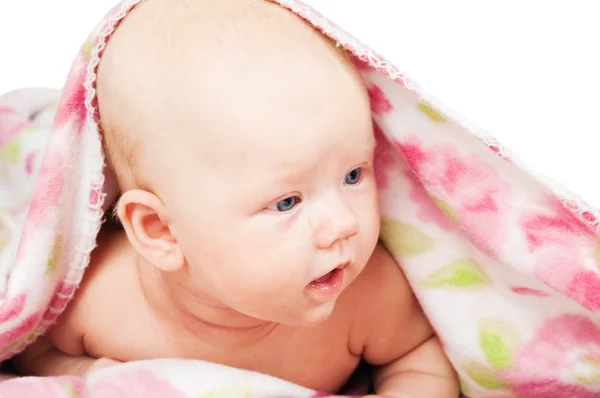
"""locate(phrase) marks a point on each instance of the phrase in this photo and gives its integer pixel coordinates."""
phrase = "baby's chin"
(310, 317)
(316, 313)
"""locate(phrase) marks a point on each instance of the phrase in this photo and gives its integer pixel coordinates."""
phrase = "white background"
(526, 71)
(39, 39)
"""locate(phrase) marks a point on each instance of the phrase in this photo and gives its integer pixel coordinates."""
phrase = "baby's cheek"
(371, 215)
(371, 231)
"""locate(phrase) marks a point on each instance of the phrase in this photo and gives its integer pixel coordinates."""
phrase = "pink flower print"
(379, 102)
(95, 196)
(497, 149)
(13, 339)
(542, 229)
(561, 360)
(134, 383)
(469, 188)
(428, 211)
(413, 154)
(562, 246)
(48, 189)
(383, 157)
(552, 226)
(62, 295)
(44, 387)
(13, 307)
(562, 270)
(360, 63)
(30, 163)
(589, 217)
(584, 288)
(526, 291)
(71, 106)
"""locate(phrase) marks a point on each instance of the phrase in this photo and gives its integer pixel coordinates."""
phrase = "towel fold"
(507, 272)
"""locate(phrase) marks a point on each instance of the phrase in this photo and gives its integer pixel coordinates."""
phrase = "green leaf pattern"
(446, 209)
(484, 377)
(458, 274)
(498, 340)
(404, 239)
(431, 113)
(10, 154)
(54, 255)
(70, 390)
(587, 372)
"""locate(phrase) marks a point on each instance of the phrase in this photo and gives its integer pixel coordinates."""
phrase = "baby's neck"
(197, 313)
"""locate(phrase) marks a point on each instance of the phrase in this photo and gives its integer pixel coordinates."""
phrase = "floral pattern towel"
(507, 272)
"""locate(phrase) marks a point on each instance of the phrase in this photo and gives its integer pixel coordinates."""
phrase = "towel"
(506, 270)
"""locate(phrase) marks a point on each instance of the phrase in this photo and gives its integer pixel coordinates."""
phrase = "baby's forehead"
(167, 32)
(168, 50)
(174, 69)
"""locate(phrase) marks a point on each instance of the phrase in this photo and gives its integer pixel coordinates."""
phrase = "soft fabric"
(163, 378)
(507, 272)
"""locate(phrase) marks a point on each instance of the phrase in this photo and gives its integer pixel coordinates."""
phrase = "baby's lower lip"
(328, 285)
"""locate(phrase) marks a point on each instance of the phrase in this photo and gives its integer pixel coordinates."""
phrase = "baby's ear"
(145, 220)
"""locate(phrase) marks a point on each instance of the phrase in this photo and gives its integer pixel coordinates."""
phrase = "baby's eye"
(286, 204)
(353, 177)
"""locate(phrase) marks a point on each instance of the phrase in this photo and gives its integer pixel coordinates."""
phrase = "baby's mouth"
(325, 278)
(330, 283)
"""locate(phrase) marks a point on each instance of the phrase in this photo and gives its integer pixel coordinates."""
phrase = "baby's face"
(276, 208)
(265, 166)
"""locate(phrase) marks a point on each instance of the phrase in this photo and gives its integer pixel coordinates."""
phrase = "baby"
(243, 144)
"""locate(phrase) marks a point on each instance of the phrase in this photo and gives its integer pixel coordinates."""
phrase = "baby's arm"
(423, 372)
(408, 358)
(61, 350)
(44, 359)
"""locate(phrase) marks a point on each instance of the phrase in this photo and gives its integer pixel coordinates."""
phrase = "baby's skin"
(243, 145)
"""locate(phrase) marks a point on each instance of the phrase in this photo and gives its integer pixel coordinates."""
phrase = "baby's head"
(243, 144)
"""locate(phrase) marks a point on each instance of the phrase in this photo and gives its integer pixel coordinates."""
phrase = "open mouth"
(331, 282)
(326, 278)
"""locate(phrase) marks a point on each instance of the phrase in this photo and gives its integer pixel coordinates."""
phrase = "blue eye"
(353, 177)
(286, 204)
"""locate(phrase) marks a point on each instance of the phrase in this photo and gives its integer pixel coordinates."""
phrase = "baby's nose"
(338, 224)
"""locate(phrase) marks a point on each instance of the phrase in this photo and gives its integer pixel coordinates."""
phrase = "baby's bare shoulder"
(381, 284)
(66, 334)
(86, 307)
(386, 314)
